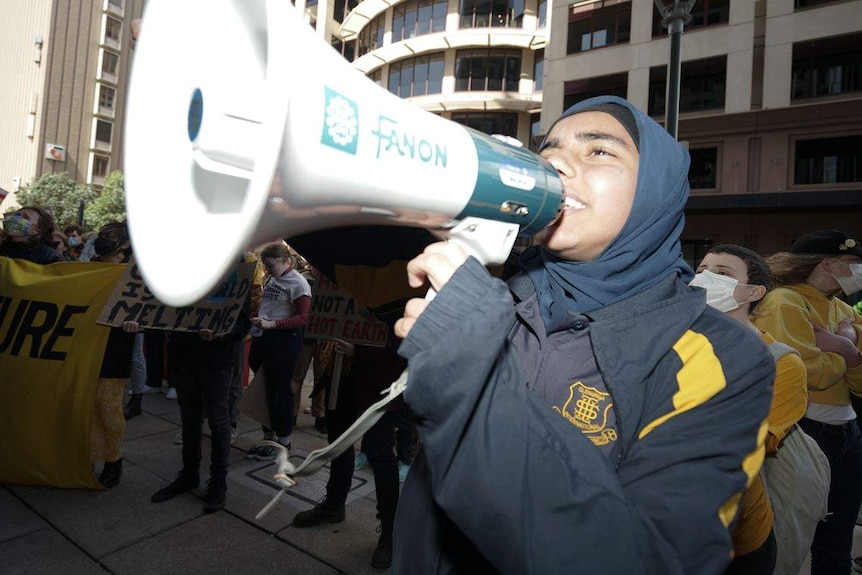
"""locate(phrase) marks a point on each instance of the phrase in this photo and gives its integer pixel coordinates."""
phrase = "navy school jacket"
(505, 484)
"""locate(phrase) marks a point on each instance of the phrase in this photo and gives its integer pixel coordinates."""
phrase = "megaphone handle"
(488, 241)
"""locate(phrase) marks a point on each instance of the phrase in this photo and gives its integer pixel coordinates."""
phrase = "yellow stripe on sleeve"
(699, 378)
(751, 465)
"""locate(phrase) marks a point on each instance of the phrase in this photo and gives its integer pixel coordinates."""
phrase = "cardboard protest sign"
(133, 301)
(335, 315)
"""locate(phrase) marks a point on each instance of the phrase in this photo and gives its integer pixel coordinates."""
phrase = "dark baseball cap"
(827, 242)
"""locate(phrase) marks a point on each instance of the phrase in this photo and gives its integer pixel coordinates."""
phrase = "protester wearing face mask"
(736, 279)
(805, 311)
(76, 243)
(28, 234)
(107, 424)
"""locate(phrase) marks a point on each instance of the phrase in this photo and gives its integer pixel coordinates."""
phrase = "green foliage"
(60, 193)
(110, 205)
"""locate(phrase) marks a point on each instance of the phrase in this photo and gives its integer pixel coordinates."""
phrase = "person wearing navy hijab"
(593, 414)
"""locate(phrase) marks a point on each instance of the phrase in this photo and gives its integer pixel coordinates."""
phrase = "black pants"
(236, 388)
(276, 352)
(761, 561)
(378, 444)
(202, 380)
(154, 356)
(833, 539)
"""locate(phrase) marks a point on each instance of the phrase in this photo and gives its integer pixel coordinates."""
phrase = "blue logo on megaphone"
(340, 122)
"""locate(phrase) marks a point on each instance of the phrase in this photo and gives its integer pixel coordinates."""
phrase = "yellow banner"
(50, 355)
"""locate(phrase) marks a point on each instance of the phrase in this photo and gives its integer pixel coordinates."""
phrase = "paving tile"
(147, 424)
(102, 522)
(16, 519)
(347, 545)
(158, 404)
(216, 543)
(45, 552)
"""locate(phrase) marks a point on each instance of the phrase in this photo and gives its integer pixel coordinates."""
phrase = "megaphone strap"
(320, 457)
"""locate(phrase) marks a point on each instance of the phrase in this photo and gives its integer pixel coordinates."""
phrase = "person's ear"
(757, 294)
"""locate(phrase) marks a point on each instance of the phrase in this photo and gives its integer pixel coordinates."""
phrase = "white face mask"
(719, 290)
(853, 283)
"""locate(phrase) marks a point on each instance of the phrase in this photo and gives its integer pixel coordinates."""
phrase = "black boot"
(111, 473)
(185, 481)
(320, 424)
(216, 492)
(319, 514)
(382, 557)
(133, 407)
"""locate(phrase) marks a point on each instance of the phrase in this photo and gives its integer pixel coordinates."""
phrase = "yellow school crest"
(588, 408)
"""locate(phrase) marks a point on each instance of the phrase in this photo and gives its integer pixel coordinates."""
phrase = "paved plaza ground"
(46, 530)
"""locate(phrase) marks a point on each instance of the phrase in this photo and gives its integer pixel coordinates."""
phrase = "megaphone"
(243, 127)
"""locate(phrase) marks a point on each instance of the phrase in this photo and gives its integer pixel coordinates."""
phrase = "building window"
(542, 13)
(693, 251)
(371, 37)
(488, 13)
(487, 70)
(418, 18)
(341, 8)
(613, 85)
(101, 164)
(417, 76)
(827, 66)
(536, 133)
(702, 86)
(110, 63)
(828, 161)
(598, 24)
(808, 3)
(704, 13)
(113, 29)
(103, 132)
(376, 76)
(489, 122)
(117, 3)
(538, 70)
(106, 97)
(703, 171)
(346, 49)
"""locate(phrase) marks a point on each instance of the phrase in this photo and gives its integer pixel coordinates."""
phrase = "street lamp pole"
(674, 17)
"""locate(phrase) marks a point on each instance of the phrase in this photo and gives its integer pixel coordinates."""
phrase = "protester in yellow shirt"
(736, 279)
(805, 312)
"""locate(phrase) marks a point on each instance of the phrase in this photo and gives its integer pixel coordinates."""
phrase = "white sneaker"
(233, 436)
(150, 389)
(171, 393)
(306, 410)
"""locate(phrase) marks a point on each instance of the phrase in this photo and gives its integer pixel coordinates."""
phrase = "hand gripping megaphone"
(243, 127)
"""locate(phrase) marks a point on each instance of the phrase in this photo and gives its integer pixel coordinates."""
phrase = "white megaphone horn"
(243, 127)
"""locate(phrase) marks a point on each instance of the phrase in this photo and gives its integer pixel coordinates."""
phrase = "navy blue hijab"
(646, 250)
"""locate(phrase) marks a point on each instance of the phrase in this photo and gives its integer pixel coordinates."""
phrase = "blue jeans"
(139, 367)
(842, 445)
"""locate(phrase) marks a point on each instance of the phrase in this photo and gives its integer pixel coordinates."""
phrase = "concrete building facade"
(770, 107)
(66, 68)
(477, 63)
